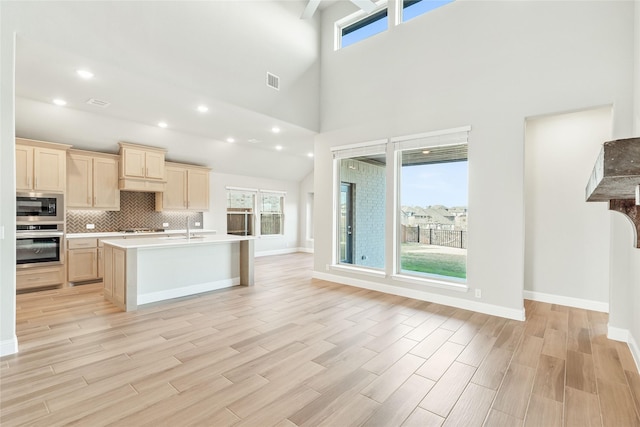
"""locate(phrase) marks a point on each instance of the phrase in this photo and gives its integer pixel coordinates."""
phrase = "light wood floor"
(296, 351)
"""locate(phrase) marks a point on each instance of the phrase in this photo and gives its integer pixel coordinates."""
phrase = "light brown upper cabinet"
(187, 188)
(40, 166)
(141, 167)
(92, 181)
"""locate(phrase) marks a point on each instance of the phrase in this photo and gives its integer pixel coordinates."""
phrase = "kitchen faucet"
(188, 229)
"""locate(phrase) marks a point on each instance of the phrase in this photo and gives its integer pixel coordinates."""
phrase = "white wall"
(8, 340)
(566, 239)
(216, 218)
(484, 64)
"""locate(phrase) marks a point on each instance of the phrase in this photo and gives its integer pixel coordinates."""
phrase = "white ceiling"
(157, 61)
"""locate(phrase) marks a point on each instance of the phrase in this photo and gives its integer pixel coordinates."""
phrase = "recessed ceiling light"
(230, 139)
(203, 108)
(162, 124)
(275, 129)
(309, 154)
(426, 152)
(279, 147)
(85, 74)
(60, 102)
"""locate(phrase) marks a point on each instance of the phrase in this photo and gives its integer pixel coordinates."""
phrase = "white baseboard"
(635, 350)
(276, 252)
(619, 334)
(307, 250)
(8, 347)
(187, 290)
(494, 310)
(567, 301)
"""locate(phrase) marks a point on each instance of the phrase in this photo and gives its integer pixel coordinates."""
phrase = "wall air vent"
(273, 81)
(98, 103)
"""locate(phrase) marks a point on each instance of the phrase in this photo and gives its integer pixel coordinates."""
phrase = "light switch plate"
(91, 226)
(197, 224)
(165, 224)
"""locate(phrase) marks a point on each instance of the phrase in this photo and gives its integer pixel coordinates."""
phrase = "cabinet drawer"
(83, 243)
(38, 277)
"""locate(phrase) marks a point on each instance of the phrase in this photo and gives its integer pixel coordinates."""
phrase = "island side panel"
(115, 277)
(176, 271)
(126, 286)
(247, 257)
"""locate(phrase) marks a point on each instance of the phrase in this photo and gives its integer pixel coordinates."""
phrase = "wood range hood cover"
(616, 179)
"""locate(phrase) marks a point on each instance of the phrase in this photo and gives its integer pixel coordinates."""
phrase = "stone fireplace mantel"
(616, 179)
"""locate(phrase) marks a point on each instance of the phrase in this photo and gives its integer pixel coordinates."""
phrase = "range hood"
(616, 179)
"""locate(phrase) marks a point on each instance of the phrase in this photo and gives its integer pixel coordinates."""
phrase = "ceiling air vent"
(273, 81)
(98, 103)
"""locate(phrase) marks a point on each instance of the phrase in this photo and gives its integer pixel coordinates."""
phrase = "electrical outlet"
(91, 226)
(197, 224)
(165, 224)
(478, 293)
(327, 267)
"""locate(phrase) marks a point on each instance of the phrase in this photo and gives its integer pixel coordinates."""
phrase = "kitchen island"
(145, 270)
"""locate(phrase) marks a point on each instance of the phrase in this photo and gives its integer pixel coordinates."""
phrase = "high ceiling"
(158, 61)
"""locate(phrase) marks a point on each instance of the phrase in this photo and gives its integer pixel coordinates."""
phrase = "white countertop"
(173, 241)
(135, 235)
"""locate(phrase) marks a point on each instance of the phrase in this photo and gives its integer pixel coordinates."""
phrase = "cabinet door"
(154, 165)
(106, 194)
(82, 264)
(24, 168)
(198, 190)
(79, 181)
(50, 170)
(133, 162)
(174, 196)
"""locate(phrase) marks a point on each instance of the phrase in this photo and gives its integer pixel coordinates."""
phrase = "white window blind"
(445, 137)
(360, 150)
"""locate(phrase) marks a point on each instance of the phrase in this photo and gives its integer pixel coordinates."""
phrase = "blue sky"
(436, 184)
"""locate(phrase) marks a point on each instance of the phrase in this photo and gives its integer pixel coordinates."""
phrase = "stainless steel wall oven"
(38, 245)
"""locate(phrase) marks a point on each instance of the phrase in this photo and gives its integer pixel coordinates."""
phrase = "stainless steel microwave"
(39, 207)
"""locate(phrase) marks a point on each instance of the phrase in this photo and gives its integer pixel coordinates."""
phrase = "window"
(271, 213)
(240, 211)
(413, 8)
(359, 26)
(433, 194)
(360, 201)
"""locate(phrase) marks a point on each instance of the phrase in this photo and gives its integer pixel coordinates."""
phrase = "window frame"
(400, 7)
(437, 139)
(282, 195)
(254, 208)
(355, 18)
(346, 152)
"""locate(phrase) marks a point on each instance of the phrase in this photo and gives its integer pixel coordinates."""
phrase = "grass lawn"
(429, 259)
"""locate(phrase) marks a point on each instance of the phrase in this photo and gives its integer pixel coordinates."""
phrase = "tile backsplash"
(137, 210)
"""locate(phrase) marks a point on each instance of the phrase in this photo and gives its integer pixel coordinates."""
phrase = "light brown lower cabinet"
(30, 278)
(83, 260)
